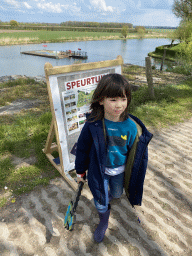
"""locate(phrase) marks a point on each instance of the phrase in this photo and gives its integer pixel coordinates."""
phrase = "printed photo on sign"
(76, 101)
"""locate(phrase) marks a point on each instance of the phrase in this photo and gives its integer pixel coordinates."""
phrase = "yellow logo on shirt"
(124, 137)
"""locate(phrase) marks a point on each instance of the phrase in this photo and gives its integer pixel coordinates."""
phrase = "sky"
(138, 12)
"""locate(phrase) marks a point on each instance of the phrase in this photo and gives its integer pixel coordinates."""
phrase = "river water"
(133, 51)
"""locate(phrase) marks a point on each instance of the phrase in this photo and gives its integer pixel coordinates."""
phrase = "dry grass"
(13, 31)
(12, 41)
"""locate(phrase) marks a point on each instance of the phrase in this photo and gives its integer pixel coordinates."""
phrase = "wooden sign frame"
(56, 130)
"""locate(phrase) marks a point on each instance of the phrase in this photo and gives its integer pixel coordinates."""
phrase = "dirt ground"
(32, 224)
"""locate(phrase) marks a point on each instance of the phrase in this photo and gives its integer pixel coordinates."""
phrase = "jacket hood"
(145, 132)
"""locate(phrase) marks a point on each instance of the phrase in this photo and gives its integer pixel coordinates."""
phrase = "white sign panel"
(71, 95)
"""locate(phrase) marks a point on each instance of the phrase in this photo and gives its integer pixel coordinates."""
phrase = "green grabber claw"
(70, 217)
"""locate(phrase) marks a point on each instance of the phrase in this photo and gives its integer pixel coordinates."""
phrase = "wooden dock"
(57, 54)
(78, 55)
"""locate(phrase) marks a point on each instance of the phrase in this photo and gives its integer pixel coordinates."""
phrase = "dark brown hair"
(110, 86)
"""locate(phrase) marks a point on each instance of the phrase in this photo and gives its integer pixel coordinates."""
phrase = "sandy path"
(33, 225)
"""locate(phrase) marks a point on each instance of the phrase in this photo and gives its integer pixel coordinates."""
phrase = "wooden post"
(148, 70)
(163, 59)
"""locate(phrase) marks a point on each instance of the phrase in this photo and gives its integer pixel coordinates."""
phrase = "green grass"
(24, 134)
(42, 36)
(160, 30)
(186, 69)
(55, 35)
(23, 137)
(175, 52)
(172, 104)
(20, 88)
(19, 81)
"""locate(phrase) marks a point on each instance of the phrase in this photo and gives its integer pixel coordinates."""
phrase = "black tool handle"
(81, 184)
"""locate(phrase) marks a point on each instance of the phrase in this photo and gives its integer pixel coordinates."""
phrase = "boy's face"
(114, 107)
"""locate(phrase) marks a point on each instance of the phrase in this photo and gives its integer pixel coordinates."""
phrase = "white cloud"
(155, 18)
(22, 11)
(137, 12)
(50, 7)
(27, 5)
(101, 5)
(58, 8)
(12, 2)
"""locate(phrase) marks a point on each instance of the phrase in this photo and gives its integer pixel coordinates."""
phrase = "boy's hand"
(81, 177)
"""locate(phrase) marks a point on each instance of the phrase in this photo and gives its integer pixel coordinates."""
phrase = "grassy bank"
(42, 36)
(173, 98)
(172, 52)
(23, 135)
(179, 54)
(172, 105)
(52, 37)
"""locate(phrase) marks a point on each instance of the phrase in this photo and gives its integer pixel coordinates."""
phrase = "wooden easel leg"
(50, 137)
(50, 148)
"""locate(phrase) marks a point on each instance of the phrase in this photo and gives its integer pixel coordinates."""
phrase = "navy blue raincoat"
(91, 156)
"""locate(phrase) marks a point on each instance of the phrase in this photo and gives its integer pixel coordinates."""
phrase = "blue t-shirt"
(120, 138)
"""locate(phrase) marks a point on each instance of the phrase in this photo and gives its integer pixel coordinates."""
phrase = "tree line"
(123, 28)
(71, 24)
(95, 24)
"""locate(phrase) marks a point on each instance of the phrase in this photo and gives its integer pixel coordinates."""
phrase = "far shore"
(10, 37)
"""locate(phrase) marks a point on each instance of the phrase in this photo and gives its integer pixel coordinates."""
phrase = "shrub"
(14, 23)
(124, 31)
(141, 33)
(184, 58)
(139, 28)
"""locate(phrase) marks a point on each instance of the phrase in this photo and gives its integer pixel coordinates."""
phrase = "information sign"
(70, 89)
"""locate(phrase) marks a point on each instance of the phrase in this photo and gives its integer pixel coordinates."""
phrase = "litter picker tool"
(70, 216)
